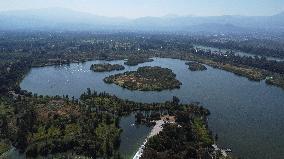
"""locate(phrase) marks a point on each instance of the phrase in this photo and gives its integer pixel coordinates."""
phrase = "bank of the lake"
(247, 115)
(132, 137)
(236, 52)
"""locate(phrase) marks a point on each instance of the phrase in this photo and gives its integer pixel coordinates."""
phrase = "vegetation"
(253, 68)
(258, 46)
(5, 113)
(24, 50)
(146, 79)
(188, 137)
(39, 126)
(135, 60)
(277, 80)
(106, 67)
(194, 66)
(4, 147)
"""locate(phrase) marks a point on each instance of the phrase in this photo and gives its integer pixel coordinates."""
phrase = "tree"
(176, 100)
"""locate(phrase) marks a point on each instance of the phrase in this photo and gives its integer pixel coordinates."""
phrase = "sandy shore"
(156, 130)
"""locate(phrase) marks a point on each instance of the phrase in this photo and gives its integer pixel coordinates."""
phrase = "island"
(106, 67)
(146, 79)
(134, 61)
(195, 66)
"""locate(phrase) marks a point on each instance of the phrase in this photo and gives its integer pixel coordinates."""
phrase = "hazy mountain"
(55, 18)
(65, 19)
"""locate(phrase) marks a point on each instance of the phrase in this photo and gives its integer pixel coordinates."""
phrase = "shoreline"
(155, 131)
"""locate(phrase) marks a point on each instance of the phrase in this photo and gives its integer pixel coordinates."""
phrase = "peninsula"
(195, 66)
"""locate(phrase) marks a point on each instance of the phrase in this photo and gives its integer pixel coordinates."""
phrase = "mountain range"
(66, 19)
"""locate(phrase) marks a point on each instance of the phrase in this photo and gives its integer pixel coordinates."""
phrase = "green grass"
(4, 147)
(202, 132)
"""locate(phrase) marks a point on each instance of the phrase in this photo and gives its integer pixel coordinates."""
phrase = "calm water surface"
(248, 116)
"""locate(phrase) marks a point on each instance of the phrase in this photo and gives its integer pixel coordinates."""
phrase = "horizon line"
(133, 18)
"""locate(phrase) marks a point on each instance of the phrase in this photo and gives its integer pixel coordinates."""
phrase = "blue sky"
(140, 8)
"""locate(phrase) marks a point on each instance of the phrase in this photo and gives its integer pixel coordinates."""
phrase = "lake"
(246, 115)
